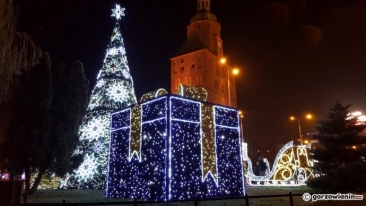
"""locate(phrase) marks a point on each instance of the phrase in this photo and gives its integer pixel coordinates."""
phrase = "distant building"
(197, 62)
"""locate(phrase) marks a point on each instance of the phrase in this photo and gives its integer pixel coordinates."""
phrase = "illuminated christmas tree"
(113, 90)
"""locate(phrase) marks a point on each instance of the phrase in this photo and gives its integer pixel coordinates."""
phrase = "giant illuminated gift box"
(172, 147)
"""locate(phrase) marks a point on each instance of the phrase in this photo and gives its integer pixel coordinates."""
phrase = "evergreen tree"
(340, 156)
(113, 90)
(68, 108)
(51, 104)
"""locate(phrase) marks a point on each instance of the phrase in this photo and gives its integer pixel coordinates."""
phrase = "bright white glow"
(357, 113)
(118, 12)
(116, 51)
(87, 169)
(118, 92)
(362, 118)
(94, 129)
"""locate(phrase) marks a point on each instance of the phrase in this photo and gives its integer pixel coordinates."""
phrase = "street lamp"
(234, 71)
(241, 125)
(308, 116)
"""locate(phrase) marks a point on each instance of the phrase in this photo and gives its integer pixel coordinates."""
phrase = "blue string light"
(172, 164)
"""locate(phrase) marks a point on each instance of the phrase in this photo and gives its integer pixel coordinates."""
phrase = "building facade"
(197, 62)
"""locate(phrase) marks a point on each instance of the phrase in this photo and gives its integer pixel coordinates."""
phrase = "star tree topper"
(118, 12)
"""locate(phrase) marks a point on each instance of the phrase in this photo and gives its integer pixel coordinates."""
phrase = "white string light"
(118, 12)
(113, 91)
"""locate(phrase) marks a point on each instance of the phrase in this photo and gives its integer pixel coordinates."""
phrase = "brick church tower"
(197, 62)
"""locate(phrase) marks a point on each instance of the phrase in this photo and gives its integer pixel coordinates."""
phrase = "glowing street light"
(234, 71)
(308, 116)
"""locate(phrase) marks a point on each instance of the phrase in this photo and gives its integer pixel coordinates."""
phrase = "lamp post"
(234, 71)
(241, 125)
(308, 116)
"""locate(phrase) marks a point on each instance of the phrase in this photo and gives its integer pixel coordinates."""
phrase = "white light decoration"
(173, 153)
(113, 91)
(198, 93)
(116, 51)
(87, 169)
(153, 94)
(361, 119)
(292, 167)
(118, 12)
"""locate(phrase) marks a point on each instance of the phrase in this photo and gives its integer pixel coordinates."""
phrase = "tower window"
(192, 67)
(182, 69)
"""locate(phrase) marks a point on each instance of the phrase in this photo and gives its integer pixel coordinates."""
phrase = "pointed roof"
(203, 11)
(193, 43)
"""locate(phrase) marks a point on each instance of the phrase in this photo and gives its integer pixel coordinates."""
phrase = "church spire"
(203, 5)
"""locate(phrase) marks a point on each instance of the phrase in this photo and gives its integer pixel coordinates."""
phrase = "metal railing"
(195, 201)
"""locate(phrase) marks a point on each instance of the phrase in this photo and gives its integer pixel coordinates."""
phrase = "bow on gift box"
(208, 142)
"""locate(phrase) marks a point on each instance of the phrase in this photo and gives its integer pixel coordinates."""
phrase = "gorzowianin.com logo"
(338, 196)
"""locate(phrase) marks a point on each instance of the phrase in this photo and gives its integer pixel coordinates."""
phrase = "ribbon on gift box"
(208, 142)
(198, 93)
(135, 132)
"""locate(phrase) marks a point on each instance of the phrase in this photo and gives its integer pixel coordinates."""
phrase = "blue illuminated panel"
(170, 166)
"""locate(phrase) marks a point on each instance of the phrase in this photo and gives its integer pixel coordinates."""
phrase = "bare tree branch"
(18, 50)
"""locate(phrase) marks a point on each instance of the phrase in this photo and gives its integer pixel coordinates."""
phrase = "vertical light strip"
(170, 148)
(208, 142)
(109, 154)
(135, 132)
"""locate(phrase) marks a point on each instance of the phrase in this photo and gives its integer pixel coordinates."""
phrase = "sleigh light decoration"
(292, 167)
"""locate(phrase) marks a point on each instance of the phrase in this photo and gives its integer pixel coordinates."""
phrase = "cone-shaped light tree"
(113, 90)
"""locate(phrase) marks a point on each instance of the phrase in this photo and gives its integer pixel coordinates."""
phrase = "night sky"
(295, 56)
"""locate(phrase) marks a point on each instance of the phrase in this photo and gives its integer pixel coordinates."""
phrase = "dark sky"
(295, 56)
